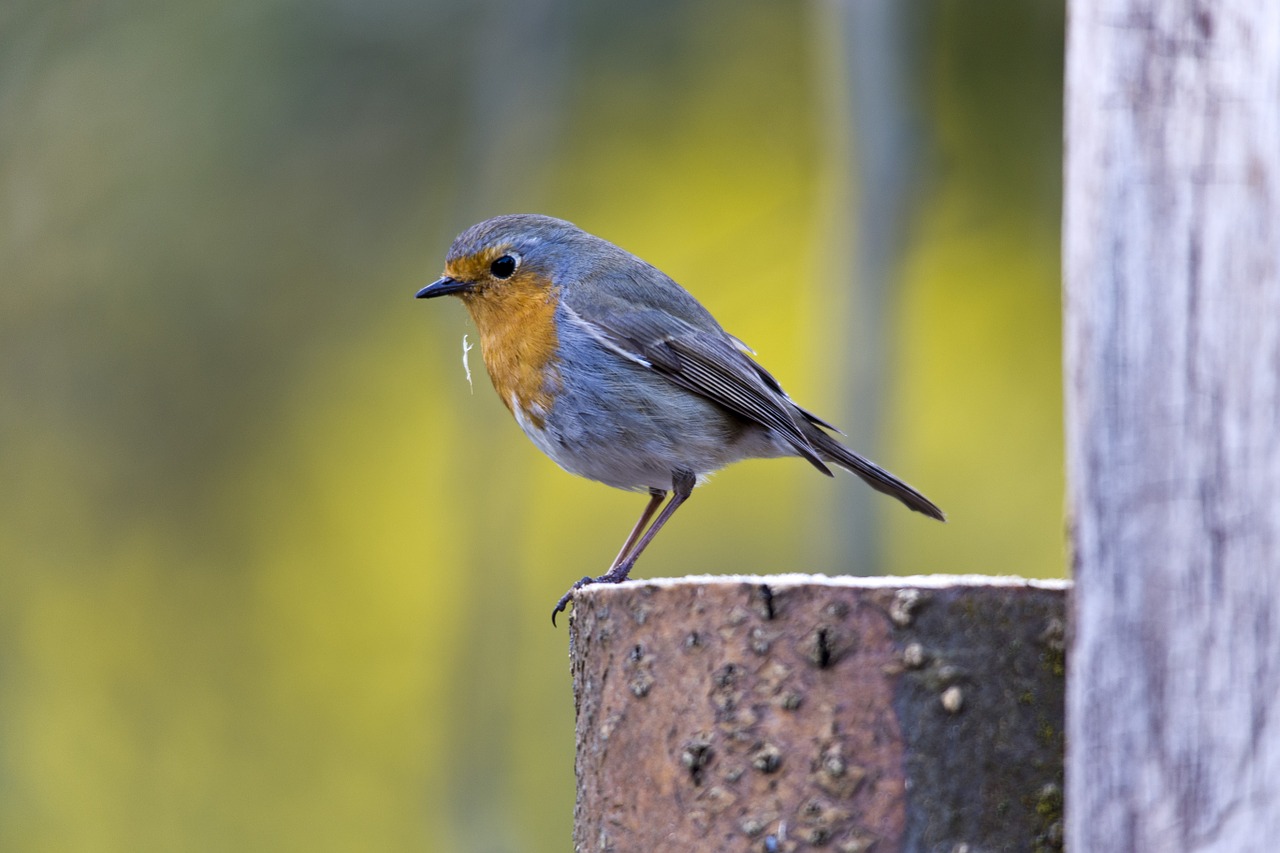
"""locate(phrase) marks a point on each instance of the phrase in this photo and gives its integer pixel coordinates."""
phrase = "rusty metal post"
(794, 712)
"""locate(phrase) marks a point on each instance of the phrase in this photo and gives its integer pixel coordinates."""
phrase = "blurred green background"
(271, 576)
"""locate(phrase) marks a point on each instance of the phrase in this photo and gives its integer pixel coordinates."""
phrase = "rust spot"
(767, 758)
(726, 675)
(834, 775)
(905, 602)
(818, 819)
(718, 799)
(695, 756)
(641, 667)
(766, 601)
(820, 648)
(1054, 634)
(761, 641)
(856, 844)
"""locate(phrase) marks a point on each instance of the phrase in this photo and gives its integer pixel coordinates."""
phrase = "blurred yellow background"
(272, 577)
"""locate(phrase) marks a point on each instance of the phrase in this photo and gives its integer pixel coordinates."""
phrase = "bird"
(621, 376)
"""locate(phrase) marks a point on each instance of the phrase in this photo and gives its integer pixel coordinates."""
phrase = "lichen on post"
(793, 712)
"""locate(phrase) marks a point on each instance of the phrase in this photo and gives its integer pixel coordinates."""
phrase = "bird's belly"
(629, 428)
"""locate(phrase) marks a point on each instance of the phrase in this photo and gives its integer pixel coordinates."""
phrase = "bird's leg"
(656, 497)
(682, 486)
(682, 483)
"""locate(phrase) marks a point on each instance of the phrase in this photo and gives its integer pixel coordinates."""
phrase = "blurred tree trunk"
(871, 77)
(1172, 265)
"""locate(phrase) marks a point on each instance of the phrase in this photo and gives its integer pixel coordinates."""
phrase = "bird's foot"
(615, 575)
(564, 599)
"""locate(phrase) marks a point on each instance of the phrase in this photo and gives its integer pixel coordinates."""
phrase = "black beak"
(443, 287)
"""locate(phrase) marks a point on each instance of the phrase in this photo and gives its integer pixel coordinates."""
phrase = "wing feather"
(709, 364)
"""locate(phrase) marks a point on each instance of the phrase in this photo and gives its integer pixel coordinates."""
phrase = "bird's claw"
(617, 574)
(568, 596)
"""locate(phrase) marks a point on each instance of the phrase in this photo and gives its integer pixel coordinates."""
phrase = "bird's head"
(512, 257)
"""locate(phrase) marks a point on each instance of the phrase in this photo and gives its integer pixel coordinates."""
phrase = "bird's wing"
(705, 361)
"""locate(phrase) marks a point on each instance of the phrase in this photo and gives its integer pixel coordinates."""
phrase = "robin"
(619, 375)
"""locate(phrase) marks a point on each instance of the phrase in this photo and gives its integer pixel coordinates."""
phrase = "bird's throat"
(518, 341)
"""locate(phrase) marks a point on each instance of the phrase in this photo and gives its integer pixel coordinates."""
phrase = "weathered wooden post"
(1172, 262)
(800, 712)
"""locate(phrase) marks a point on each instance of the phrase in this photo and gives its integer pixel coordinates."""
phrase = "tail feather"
(871, 473)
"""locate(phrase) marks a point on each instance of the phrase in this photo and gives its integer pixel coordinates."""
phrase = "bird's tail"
(871, 473)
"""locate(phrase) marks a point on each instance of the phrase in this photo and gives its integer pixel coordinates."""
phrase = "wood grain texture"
(1172, 268)
(794, 713)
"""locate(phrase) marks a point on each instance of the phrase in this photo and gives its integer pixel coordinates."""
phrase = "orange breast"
(518, 341)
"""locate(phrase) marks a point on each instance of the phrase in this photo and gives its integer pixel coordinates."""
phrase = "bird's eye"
(503, 267)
